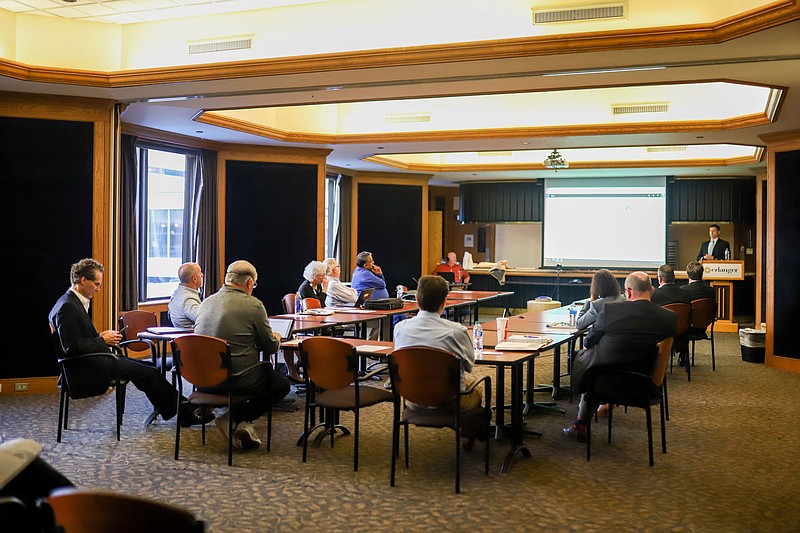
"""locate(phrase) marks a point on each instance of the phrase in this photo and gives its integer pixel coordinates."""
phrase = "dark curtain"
(204, 222)
(129, 289)
(343, 249)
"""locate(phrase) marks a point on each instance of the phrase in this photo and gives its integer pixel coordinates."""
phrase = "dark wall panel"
(271, 221)
(787, 260)
(712, 201)
(390, 226)
(501, 202)
(46, 186)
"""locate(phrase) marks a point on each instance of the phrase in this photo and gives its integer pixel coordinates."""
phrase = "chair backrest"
(84, 376)
(662, 361)
(704, 312)
(311, 303)
(288, 302)
(202, 360)
(329, 363)
(425, 376)
(97, 511)
(131, 323)
(684, 313)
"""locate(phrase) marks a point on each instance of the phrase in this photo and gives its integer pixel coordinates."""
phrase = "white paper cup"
(502, 329)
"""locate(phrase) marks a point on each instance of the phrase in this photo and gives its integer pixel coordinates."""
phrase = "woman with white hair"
(315, 282)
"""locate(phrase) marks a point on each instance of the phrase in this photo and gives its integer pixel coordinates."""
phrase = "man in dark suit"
(623, 337)
(696, 289)
(71, 324)
(714, 248)
(667, 292)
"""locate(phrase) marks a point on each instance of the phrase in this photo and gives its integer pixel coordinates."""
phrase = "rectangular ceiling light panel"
(634, 109)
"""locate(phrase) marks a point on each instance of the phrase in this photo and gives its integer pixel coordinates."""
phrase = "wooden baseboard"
(44, 385)
(789, 364)
(726, 326)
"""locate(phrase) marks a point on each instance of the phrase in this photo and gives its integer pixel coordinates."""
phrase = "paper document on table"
(562, 325)
(523, 343)
(352, 310)
(318, 312)
(371, 348)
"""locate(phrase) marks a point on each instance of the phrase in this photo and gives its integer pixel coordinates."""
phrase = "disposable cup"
(502, 329)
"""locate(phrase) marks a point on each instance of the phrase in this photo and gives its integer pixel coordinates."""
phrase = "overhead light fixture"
(555, 161)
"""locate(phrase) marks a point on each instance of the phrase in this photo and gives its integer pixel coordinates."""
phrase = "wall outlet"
(19, 387)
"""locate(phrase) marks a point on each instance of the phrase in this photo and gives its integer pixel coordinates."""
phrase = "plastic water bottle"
(573, 314)
(400, 291)
(727, 254)
(477, 338)
(298, 304)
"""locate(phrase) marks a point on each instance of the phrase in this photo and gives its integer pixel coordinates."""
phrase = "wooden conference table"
(541, 323)
(456, 301)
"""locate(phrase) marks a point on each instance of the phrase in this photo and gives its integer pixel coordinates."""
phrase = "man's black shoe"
(192, 415)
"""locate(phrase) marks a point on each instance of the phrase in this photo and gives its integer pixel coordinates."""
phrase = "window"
(163, 177)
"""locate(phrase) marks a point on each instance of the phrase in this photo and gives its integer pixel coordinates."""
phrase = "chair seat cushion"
(346, 398)
(207, 398)
(439, 418)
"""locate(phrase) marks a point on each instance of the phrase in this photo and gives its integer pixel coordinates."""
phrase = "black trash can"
(753, 343)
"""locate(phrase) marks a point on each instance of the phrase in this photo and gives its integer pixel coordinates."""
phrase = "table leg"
(517, 445)
(500, 401)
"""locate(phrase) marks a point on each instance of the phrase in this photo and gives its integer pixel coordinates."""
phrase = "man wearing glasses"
(71, 325)
(234, 314)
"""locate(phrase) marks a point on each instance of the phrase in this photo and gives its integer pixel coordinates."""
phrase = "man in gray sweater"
(234, 314)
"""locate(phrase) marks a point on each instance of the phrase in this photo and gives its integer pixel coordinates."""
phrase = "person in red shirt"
(451, 265)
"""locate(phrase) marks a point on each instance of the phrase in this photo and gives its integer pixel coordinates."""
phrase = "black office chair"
(86, 376)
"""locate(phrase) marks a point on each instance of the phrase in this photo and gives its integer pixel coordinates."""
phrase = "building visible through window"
(163, 184)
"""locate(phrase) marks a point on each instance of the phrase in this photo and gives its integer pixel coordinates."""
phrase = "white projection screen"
(605, 223)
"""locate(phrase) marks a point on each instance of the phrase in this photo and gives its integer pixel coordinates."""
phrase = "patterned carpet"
(732, 465)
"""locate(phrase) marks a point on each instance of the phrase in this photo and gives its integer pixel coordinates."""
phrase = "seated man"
(452, 265)
(185, 301)
(429, 329)
(234, 314)
(70, 321)
(696, 289)
(339, 294)
(669, 293)
(624, 336)
(369, 275)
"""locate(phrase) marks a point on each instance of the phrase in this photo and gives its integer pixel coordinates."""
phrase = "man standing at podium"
(714, 248)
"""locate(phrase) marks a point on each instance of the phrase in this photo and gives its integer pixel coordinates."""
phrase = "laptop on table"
(365, 295)
(282, 326)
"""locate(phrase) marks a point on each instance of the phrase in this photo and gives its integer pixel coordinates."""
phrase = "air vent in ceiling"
(405, 118)
(659, 149)
(578, 14)
(221, 45)
(495, 154)
(632, 109)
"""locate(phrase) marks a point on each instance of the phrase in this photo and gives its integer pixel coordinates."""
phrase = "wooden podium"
(722, 274)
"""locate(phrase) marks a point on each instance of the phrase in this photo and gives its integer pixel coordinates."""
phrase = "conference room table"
(515, 360)
(308, 322)
(479, 297)
(544, 323)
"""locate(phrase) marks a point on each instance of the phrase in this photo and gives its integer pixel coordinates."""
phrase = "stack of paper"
(523, 343)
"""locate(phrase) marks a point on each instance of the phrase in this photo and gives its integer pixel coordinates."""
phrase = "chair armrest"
(149, 342)
(74, 358)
